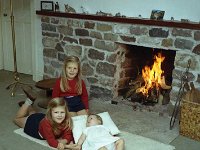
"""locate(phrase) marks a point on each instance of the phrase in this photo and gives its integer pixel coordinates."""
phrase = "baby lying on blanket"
(98, 137)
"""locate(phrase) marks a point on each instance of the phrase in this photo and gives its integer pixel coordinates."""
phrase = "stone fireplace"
(102, 48)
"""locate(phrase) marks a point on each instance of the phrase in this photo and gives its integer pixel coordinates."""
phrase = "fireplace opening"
(139, 73)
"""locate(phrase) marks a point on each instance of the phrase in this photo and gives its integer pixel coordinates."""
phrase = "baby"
(98, 137)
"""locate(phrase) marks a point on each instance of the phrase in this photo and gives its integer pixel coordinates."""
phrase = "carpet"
(137, 142)
(132, 141)
(145, 123)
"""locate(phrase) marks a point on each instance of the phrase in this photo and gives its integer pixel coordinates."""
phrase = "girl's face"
(71, 70)
(92, 121)
(58, 114)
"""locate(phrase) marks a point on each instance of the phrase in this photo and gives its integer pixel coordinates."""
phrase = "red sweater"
(72, 92)
(45, 129)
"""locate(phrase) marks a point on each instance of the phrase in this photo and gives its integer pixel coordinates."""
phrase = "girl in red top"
(55, 126)
(72, 87)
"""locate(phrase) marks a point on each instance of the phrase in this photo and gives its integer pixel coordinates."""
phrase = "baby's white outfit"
(98, 136)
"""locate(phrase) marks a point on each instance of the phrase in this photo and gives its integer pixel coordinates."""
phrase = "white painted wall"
(179, 9)
(37, 54)
(1, 44)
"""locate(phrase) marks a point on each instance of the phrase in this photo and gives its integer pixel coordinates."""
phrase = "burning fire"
(152, 76)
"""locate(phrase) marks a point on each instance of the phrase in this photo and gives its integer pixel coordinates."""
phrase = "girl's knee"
(15, 120)
(82, 112)
(73, 114)
(120, 142)
(102, 148)
(20, 122)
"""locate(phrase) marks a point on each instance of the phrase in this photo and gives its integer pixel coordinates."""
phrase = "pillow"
(79, 124)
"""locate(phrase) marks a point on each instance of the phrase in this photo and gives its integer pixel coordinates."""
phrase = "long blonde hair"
(67, 122)
(64, 85)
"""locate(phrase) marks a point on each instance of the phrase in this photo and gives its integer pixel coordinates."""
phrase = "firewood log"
(132, 90)
(164, 85)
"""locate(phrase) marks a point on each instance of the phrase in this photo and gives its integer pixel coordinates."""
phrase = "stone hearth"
(96, 43)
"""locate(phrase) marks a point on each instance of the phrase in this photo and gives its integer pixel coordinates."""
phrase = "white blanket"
(132, 141)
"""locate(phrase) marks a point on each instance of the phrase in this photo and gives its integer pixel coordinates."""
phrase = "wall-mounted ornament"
(47, 6)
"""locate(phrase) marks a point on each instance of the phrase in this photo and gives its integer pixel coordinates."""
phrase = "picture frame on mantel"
(47, 5)
(157, 14)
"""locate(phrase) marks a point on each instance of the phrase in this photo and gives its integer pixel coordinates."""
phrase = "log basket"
(190, 118)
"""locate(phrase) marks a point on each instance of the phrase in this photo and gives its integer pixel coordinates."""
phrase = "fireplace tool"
(184, 81)
(15, 73)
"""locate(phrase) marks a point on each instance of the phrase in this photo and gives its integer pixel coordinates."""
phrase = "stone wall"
(96, 44)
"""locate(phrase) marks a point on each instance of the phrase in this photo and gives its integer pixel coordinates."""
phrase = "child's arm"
(66, 137)
(45, 130)
(64, 141)
(78, 145)
(84, 96)
(81, 140)
(56, 89)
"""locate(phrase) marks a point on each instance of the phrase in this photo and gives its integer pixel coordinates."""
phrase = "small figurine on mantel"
(69, 9)
(57, 8)
(185, 20)
(119, 15)
(140, 16)
(84, 10)
(101, 13)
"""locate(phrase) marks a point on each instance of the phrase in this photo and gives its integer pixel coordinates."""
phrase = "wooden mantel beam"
(164, 23)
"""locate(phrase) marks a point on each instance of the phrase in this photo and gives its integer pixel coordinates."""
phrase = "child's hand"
(87, 111)
(77, 147)
(61, 146)
(73, 146)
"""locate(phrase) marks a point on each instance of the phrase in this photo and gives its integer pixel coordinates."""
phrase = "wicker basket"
(190, 120)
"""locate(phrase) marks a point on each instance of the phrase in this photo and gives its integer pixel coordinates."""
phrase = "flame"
(152, 77)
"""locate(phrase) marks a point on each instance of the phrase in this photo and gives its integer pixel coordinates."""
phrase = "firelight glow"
(152, 76)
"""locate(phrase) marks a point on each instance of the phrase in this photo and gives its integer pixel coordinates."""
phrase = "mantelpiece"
(178, 24)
